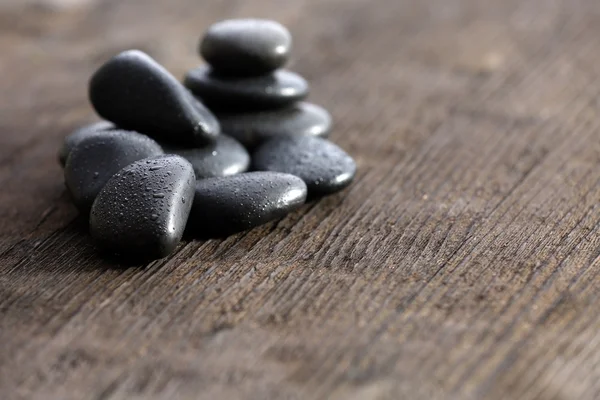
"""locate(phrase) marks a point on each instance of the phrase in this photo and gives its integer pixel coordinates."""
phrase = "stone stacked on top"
(261, 104)
(245, 84)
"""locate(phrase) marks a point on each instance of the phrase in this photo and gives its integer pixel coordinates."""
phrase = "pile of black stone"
(177, 155)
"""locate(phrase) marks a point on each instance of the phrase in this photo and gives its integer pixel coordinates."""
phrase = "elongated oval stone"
(135, 92)
(278, 89)
(246, 47)
(224, 206)
(253, 128)
(143, 209)
(78, 135)
(223, 158)
(98, 157)
(322, 165)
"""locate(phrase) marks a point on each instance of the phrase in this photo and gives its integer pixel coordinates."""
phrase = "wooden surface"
(462, 264)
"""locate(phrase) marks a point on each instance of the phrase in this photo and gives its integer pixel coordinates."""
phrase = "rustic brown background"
(462, 264)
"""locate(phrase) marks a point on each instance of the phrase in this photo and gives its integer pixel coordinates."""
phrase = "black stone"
(143, 209)
(301, 119)
(279, 89)
(224, 206)
(136, 93)
(322, 165)
(223, 158)
(78, 135)
(98, 157)
(246, 47)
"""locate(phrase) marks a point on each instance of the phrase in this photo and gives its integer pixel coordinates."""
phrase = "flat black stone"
(224, 206)
(223, 158)
(98, 157)
(246, 47)
(143, 209)
(253, 128)
(278, 89)
(322, 165)
(136, 93)
(78, 135)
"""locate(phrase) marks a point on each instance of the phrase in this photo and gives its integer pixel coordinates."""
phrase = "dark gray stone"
(223, 158)
(246, 47)
(143, 209)
(224, 206)
(78, 135)
(98, 157)
(136, 93)
(322, 165)
(278, 89)
(253, 128)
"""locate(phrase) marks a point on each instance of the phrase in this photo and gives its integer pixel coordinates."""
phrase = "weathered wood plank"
(462, 264)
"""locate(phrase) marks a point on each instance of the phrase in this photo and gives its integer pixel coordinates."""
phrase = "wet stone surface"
(300, 119)
(98, 157)
(78, 135)
(224, 206)
(223, 158)
(322, 165)
(135, 92)
(246, 47)
(278, 89)
(143, 210)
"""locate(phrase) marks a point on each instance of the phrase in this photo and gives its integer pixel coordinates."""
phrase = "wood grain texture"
(462, 264)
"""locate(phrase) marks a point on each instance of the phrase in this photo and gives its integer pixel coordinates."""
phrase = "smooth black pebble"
(142, 211)
(223, 158)
(278, 89)
(78, 135)
(135, 92)
(253, 128)
(224, 206)
(246, 47)
(98, 157)
(322, 165)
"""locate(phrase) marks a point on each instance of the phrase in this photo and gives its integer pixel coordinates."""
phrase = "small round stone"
(246, 47)
(253, 128)
(322, 165)
(142, 210)
(98, 157)
(78, 135)
(278, 89)
(223, 158)
(224, 206)
(136, 93)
